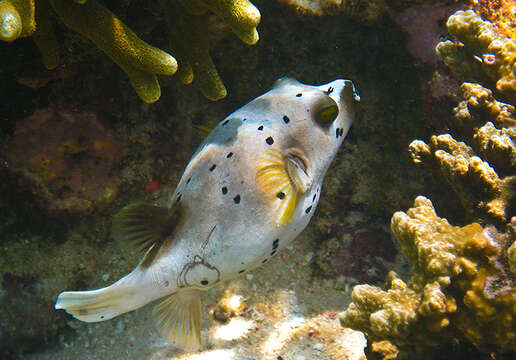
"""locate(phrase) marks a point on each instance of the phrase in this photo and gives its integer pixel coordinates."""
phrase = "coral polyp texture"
(500, 12)
(481, 175)
(140, 61)
(461, 285)
(477, 52)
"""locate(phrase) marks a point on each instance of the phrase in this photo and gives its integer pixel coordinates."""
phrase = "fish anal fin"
(145, 227)
(178, 319)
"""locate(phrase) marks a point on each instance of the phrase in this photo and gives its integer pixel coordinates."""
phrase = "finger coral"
(461, 284)
(481, 175)
(477, 52)
(139, 60)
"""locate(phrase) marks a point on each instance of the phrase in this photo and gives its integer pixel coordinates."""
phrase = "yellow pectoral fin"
(275, 184)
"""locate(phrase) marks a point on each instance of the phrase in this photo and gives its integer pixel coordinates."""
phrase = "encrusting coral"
(479, 53)
(481, 175)
(461, 285)
(500, 12)
(140, 61)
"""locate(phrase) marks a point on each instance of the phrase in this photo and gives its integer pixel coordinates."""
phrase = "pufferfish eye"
(326, 111)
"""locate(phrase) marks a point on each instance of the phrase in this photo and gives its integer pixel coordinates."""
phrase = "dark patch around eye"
(236, 199)
(225, 122)
(269, 140)
(224, 190)
(229, 155)
(260, 127)
(299, 95)
(241, 271)
(280, 195)
(308, 209)
(187, 181)
(204, 282)
(213, 167)
(286, 120)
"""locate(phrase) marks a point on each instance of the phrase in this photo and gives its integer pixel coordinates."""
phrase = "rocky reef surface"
(77, 143)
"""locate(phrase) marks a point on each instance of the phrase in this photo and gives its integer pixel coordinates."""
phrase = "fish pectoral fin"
(145, 227)
(179, 319)
(298, 170)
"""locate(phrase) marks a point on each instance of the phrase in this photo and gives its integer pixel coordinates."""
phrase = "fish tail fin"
(97, 305)
(179, 319)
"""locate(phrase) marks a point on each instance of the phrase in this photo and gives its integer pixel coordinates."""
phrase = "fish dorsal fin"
(145, 227)
(178, 318)
(283, 179)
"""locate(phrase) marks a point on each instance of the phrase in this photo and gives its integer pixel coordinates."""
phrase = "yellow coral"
(141, 62)
(478, 51)
(460, 284)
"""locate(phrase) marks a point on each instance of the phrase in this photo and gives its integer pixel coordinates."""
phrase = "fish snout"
(345, 94)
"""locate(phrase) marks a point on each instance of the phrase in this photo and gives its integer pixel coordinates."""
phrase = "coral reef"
(367, 11)
(67, 157)
(477, 52)
(461, 284)
(139, 60)
(500, 12)
(481, 175)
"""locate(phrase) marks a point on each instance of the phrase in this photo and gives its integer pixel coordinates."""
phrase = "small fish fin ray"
(178, 319)
(96, 305)
(144, 227)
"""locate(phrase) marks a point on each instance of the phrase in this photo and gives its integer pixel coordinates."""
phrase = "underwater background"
(411, 253)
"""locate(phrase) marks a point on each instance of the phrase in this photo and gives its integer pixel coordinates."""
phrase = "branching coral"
(461, 284)
(478, 53)
(474, 172)
(141, 61)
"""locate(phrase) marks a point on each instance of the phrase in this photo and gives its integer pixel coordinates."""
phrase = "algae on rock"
(461, 286)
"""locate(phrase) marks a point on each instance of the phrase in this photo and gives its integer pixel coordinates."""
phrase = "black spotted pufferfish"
(249, 189)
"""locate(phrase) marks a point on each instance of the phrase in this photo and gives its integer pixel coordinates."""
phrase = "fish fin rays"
(145, 227)
(275, 183)
(178, 319)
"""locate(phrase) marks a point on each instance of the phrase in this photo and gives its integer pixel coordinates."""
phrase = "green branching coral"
(481, 175)
(479, 53)
(140, 61)
(461, 286)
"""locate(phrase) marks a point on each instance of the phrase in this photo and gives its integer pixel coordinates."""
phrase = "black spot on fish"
(166, 283)
(229, 155)
(102, 316)
(213, 167)
(329, 91)
(236, 199)
(299, 95)
(190, 178)
(273, 252)
(308, 209)
(204, 282)
(241, 271)
(260, 127)
(224, 190)
(275, 243)
(244, 119)
(313, 199)
(337, 133)
(225, 122)
(280, 195)
(286, 120)
(264, 261)
(269, 140)
(179, 197)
